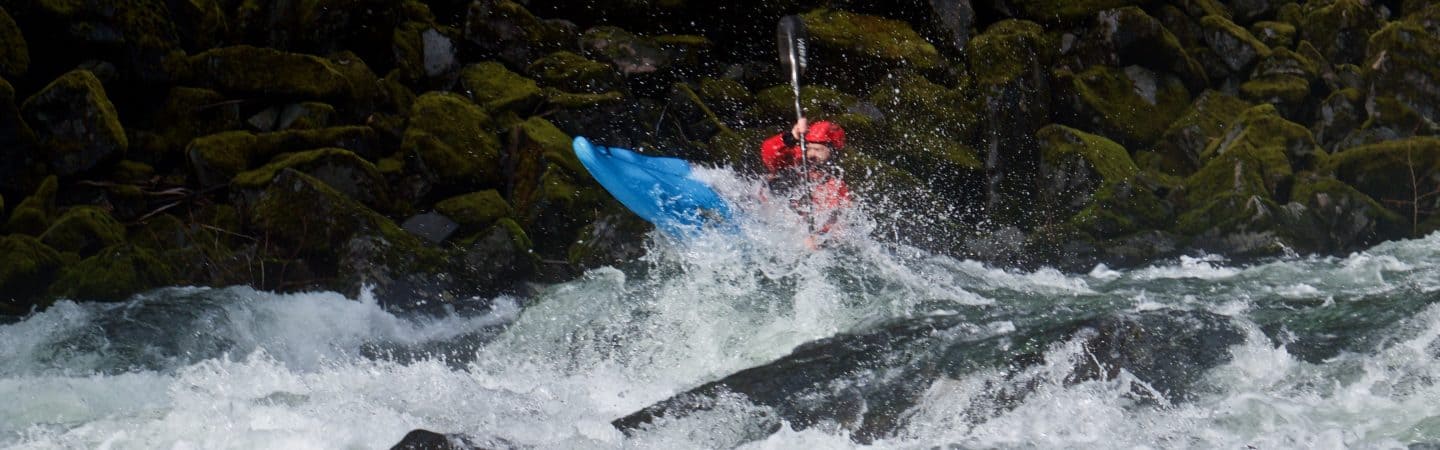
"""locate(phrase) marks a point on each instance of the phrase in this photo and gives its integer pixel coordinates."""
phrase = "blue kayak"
(658, 189)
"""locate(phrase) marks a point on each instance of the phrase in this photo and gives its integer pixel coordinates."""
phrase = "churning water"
(1321, 353)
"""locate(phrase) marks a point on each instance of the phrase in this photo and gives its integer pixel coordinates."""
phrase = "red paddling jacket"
(781, 155)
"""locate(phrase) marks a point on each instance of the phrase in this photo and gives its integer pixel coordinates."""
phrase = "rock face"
(1147, 129)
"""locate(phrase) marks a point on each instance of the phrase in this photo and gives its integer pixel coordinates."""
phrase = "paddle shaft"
(795, 65)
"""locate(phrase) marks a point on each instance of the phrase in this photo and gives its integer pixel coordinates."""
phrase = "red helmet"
(825, 132)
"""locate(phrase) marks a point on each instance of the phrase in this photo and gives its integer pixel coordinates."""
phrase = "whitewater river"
(1334, 352)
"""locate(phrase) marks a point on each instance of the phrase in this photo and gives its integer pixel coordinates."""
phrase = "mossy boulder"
(1134, 105)
(1264, 128)
(244, 69)
(576, 101)
(694, 119)
(1073, 164)
(1010, 63)
(26, 270)
(1240, 173)
(1136, 38)
(84, 230)
(1234, 45)
(1274, 34)
(1066, 11)
(574, 73)
(913, 104)
(303, 214)
(1121, 207)
(497, 89)
(114, 274)
(451, 137)
(1282, 78)
(725, 96)
(424, 51)
(505, 28)
(637, 55)
(775, 105)
(75, 124)
(137, 36)
(1339, 115)
(1245, 227)
(185, 114)
(1010, 50)
(34, 214)
(476, 209)
(305, 116)
(616, 236)
(338, 168)
(1346, 218)
(857, 48)
(1400, 63)
(560, 207)
(500, 257)
(1205, 120)
(14, 53)
(217, 158)
(1393, 172)
(1339, 28)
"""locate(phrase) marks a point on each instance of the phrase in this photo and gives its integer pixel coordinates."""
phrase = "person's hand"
(810, 243)
(799, 129)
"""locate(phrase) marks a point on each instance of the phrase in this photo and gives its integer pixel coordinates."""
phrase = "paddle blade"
(790, 38)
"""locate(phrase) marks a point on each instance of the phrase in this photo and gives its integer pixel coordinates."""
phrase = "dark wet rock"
(1274, 34)
(84, 230)
(114, 274)
(244, 69)
(27, 269)
(925, 130)
(499, 258)
(338, 168)
(451, 137)
(560, 207)
(616, 236)
(634, 54)
(305, 116)
(14, 53)
(1393, 172)
(304, 213)
(1073, 164)
(1345, 219)
(264, 120)
(1135, 105)
(866, 382)
(696, 124)
(1340, 29)
(1182, 144)
(319, 27)
(432, 227)
(1009, 61)
(1232, 44)
(955, 18)
(1248, 11)
(475, 210)
(185, 114)
(75, 124)
(425, 52)
(497, 89)
(217, 158)
(429, 440)
(1338, 116)
(138, 36)
(34, 214)
(1133, 37)
(1401, 64)
(510, 32)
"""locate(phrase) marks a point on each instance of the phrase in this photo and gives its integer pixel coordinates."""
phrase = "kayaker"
(787, 177)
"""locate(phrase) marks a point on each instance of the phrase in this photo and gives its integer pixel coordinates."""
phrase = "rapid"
(1303, 352)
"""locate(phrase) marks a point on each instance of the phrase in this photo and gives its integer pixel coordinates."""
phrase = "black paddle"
(790, 39)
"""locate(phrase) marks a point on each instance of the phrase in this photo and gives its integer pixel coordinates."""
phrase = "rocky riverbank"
(422, 147)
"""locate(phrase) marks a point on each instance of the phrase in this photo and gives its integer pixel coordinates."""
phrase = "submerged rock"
(866, 383)
(75, 124)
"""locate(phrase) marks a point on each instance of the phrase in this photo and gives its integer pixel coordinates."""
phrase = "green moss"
(218, 157)
(726, 96)
(1228, 212)
(1339, 29)
(568, 100)
(1274, 34)
(1231, 43)
(451, 136)
(1061, 145)
(1401, 64)
(574, 73)
(1390, 171)
(554, 144)
(14, 53)
(187, 113)
(128, 171)
(33, 215)
(1283, 89)
(301, 212)
(858, 36)
(114, 274)
(409, 49)
(1205, 120)
(1263, 128)
(1283, 61)
(76, 123)
(476, 209)
(28, 267)
(1068, 11)
(84, 229)
(913, 102)
(340, 169)
(255, 70)
(306, 116)
(818, 102)
(496, 88)
(1121, 207)
(1133, 105)
(1007, 49)
(1236, 173)
(1326, 195)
